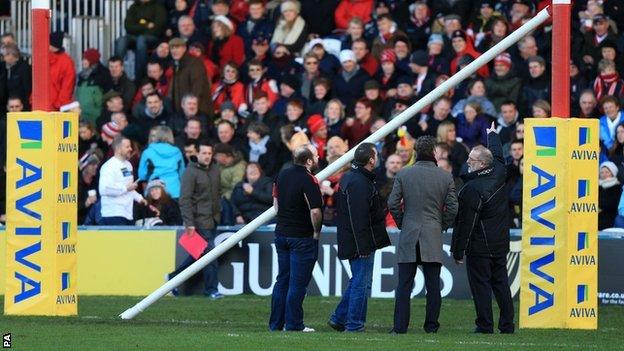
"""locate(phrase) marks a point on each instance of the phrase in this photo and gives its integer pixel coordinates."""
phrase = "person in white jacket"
(117, 185)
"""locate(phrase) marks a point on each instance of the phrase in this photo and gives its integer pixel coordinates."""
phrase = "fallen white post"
(395, 123)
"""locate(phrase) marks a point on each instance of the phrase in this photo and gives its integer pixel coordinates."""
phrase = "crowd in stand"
(230, 88)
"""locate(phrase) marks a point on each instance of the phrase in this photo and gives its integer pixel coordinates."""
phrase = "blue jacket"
(165, 162)
(605, 136)
(472, 134)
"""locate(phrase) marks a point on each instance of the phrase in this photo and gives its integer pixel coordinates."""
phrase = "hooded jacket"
(163, 161)
(482, 225)
(200, 196)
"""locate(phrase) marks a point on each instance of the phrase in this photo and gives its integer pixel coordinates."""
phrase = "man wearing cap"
(592, 39)
(361, 231)
(462, 45)
(255, 23)
(146, 21)
(93, 81)
(328, 63)
(438, 63)
(503, 84)
(418, 28)
(348, 85)
(62, 73)
(424, 81)
(372, 93)
(189, 76)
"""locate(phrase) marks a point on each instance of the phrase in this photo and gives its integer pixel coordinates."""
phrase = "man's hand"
(240, 220)
(458, 262)
(90, 201)
(349, 121)
(190, 230)
(151, 25)
(491, 129)
(155, 210)
(247, 188)
(132, 185)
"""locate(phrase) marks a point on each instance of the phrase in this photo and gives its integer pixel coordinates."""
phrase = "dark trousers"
(211, 271)
(115, 221)
(141, 44)
(407, 272)
(487, 275)
(296, 258)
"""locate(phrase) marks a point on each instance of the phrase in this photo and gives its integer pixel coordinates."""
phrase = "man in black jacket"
(361, 230)
(482, 233)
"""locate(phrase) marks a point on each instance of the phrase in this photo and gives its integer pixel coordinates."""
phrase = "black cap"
(420, 57)
(292, 81)
(487, 3)
(371, 84)
(405, 80)
(458, 34)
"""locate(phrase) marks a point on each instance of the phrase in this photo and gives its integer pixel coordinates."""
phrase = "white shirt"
(613, 124)
(117, 201)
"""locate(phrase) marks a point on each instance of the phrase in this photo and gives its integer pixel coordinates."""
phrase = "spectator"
(62, 73)
(87, 138)
(609, 51)
(289, 91)
(516, 153)
(428, 125)
(354, 130)
(294, 114)
(372, 94)
(609, 121)
(225, 46)
(189, 76)
(458, 152)
(256, 23)
(591, 40)
(282, 63)
(146, 21)
(471, 125)
(438, 63)
(538, 85)
(527, 48)
(162, 160)
(262, 113)
(154, 114)
(155, 72)
(200, 208)
(93, 81)
(253, 195)
(318, 135)
(476, 92)
(162, 54)
(515, 196)
(588, 105)
(190, 109)
(117, 187)
(355, 30)
(190, 151)
(120, 81)
(363, 57)
(261, 149)
(541, 109)
(189, 33)
(15, 76)
(578, 82)
(387, 74)
(260, 50)
(608, 81)
(259, 82)
(291, 29)
(87, 183)
(229, 88)
(181, 8)
(226, 134)
(232, 170)
(388, 32)
(347, 10)
(193, 131)
(310, 73)
(463, 46)
(508, 118)
(334, 117)
(418, 28)
(495, 31)
(328, 64)
(348, 85)
(160, 207)
(518, 135)
(425, 80)
(212, 70)
(609, 195)
(322, 95)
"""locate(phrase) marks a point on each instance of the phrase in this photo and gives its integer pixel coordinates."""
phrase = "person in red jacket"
(364, 58)
(225, 46)
(347, 9)
(229, 88)
(258, 81)
(62, 73)
(212, 70)
(462, 45)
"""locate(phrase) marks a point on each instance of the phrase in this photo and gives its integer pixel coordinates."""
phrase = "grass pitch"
(240, 323)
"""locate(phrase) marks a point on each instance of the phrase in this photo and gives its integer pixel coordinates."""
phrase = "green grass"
(240, 323)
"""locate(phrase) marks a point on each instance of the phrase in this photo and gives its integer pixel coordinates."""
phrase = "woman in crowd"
(291, 30)
(541, 109)
(476, 93)
(472, 125)
(225, 46)
(387, 74)
(260, 148)
(162, 160)
(321, 95)
(608, 195)
(229, 88)
(161, 209)
(334, 117)
(458, 152)
(252, 196)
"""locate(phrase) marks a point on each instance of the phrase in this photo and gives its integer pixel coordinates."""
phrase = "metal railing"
(89, 23)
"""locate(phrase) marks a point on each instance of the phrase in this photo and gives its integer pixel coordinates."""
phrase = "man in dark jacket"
(15, 77)
(361, 231)
(146, 21)
(120, 81)
(482, 234)
(348, 85)
(199, 204)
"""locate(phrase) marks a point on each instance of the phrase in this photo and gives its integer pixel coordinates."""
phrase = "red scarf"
(320, 146)
(606, 84)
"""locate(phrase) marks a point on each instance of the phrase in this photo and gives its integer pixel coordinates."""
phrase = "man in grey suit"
(423, 203)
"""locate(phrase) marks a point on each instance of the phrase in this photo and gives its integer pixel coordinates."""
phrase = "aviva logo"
(64, 280)
(66, 179)
(30, 133)
(546, 140)
(581, 293)
(582, 242)
(584, 136)
(583, 188)
(67, 129)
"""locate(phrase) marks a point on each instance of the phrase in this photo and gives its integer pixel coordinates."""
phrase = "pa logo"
(6, 341)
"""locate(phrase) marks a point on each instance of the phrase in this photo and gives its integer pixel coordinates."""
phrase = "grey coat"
(429, 207)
